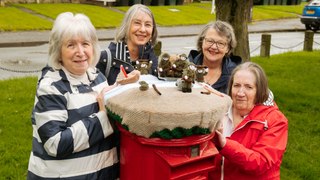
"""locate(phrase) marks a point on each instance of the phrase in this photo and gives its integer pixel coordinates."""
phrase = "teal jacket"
(228, 64)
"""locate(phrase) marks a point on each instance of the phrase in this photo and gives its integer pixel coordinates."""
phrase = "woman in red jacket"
(254, 134)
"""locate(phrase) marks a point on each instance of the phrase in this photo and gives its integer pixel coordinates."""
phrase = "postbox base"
(158, 159)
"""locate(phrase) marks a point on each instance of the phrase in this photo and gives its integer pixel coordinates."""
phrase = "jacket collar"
(121, 51)
(259, 114)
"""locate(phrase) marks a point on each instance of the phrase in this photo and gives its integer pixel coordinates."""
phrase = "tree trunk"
(237, 13)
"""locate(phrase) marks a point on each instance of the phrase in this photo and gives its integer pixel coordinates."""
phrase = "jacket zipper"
(222, 168)
(265, 127)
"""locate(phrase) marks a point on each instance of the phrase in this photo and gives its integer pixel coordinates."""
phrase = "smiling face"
(214, 46)
(140, 29)
(243, 92)
(76, 55)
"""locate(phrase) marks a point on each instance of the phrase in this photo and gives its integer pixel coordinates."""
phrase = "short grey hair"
(224, 29)
(263, 91)
(123, 31)
(68, 25)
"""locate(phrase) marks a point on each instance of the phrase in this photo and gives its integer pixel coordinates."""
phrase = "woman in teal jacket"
(215, 44)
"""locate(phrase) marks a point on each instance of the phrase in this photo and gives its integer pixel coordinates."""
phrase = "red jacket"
(255, 148)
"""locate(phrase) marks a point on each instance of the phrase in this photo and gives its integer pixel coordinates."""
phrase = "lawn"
(19, 17)
(101, 17)
(296, 93)
(13, 19)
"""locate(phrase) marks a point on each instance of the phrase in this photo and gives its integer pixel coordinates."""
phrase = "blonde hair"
(66, 26)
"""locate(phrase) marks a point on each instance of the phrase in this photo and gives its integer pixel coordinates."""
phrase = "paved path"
(16, 40)
(32, 38)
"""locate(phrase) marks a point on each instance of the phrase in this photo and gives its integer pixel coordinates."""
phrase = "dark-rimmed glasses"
(209, 42)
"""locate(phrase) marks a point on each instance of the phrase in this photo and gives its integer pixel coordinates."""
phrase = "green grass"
(104, 17)
(100, 17)
(294, 79)
(179, 15)
(13, 19)
(262, 13)
(296, 93)
(295, 9)
(183, 15)
(16, 102)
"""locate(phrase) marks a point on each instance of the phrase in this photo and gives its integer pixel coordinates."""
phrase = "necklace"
(213, 78)
(208, 80)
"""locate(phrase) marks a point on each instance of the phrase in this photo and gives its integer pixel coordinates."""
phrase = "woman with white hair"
(72, 135)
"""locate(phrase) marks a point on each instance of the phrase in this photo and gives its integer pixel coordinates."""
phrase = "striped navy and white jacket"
(71, 138)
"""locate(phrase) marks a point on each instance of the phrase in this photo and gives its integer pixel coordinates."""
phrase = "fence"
(266, 45)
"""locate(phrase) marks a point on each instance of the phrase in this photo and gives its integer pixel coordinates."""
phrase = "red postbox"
(188, 158)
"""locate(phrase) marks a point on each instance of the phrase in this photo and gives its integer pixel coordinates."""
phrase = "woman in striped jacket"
(72, 135)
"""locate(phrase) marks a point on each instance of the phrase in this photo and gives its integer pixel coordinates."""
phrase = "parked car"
(311, 15)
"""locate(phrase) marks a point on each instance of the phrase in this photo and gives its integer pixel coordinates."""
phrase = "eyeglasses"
(210, 42)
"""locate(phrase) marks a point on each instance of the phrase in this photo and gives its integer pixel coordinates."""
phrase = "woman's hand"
(219, 140)
(132, 78)
(100, 97)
